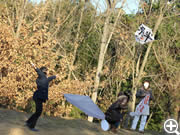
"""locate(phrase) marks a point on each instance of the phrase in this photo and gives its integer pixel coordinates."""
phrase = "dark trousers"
(114, 117)
(33, 119)
(115, 125)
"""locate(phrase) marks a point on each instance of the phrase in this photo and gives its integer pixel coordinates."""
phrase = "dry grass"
(12, 123)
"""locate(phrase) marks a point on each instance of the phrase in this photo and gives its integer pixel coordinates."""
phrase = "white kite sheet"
(144, 34)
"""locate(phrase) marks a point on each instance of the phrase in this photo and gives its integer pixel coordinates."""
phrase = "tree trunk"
(177, 114)
(106, 37)
(101, 59)
(20, 12)
(178, 119)
(76, 44)
(21, 18)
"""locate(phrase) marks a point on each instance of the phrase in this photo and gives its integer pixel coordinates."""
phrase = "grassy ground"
(12, 123)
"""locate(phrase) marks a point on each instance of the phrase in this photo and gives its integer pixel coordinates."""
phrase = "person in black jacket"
(113, 115)
(40, 95)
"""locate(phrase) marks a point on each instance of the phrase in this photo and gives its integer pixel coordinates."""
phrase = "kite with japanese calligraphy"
(144, 34)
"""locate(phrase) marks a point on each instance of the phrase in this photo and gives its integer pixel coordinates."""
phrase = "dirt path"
(12, 123)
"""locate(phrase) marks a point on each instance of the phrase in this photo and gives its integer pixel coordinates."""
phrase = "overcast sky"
(130, 7)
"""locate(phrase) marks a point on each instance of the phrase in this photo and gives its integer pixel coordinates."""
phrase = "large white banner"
(143, 107)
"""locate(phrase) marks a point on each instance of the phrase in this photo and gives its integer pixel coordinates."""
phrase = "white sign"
(143, 107)
(144, 34)
(171, 126)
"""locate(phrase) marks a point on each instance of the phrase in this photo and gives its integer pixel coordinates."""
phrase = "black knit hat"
(126, 93)
(44, 69)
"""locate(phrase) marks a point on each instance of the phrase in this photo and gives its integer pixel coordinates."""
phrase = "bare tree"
(106, 37)
(76, 44)
(139, 76)
(16, 18)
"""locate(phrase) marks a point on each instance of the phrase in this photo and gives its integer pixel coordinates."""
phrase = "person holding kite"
(113, 115)
(142, 109)
(40, 95)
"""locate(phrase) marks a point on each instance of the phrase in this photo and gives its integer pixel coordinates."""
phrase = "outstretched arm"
(39, 72)
(52, 77)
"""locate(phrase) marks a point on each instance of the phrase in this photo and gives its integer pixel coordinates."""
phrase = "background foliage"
(48, 34)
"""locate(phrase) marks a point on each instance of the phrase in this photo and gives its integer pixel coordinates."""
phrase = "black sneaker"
(33, 129)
